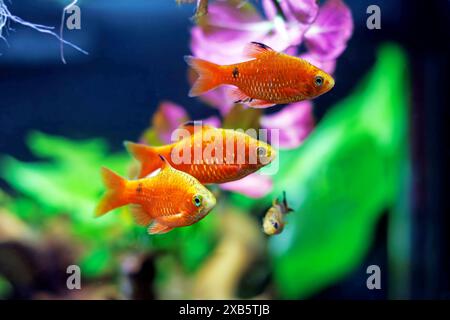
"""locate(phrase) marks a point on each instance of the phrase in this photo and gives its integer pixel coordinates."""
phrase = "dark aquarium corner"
(333, 185)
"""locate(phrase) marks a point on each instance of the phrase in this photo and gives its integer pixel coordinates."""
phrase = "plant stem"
(280, 12)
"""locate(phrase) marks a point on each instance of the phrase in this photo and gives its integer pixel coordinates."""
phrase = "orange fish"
(165, 199)
(223, 155)
(268, 79)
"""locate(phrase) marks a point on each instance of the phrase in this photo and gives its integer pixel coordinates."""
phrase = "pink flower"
(325, 31)
(167, 118)
(253, 186)
(327, 37)
(295, 122)
(302, 11)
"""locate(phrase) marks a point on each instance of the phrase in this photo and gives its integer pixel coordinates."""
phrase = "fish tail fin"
(209, 75)
(147, 156)
(114, 196)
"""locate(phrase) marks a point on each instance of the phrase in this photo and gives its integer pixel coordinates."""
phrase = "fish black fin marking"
(256, 103)
(140, 216)
(237, 96)
(284, 198)
(285, 204)
(255, 49)
(165, 164)
(158, 228)
(191, 125)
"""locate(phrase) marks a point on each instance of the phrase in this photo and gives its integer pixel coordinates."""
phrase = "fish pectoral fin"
(237, 96)
(255, 49)
(158, 228)
(260, 104)
(140, 216)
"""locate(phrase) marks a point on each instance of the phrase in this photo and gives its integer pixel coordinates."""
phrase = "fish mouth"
(210, 203)
(269, 158)
(330, 84)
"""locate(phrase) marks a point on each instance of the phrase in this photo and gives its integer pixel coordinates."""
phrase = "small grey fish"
(273, 222)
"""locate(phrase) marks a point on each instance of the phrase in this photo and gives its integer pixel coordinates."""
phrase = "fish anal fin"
(158, 228)
(255, 49)
(260, 103)
(238, 96)
(140, 216)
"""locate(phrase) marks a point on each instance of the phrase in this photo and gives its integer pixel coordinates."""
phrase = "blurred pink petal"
(167, 118)
(327, 66)
(304, 11)
(219, 98)
(327, 38)
(227, 29)
(253, 186)
(212, 121)
(294, 122)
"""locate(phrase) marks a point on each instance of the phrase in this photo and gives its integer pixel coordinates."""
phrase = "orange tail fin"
(208, 75)
(114, 196)
(147, 156)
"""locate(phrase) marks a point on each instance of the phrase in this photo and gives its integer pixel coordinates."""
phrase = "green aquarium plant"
(341, 180)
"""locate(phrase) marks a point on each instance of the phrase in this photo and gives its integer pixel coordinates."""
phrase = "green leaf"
(340, 181)
(96, 262)
(5, 287)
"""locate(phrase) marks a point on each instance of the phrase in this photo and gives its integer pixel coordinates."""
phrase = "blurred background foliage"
(339, 182)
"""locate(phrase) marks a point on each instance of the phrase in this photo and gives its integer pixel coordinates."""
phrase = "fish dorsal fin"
(165, 164)
(275, 202)
(284, 199)
(285, 204)
(256, 49)
(192, 125)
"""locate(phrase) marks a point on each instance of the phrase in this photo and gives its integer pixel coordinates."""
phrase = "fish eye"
(318, 81)
(261, 151)
(275, 224)
(197, 200)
